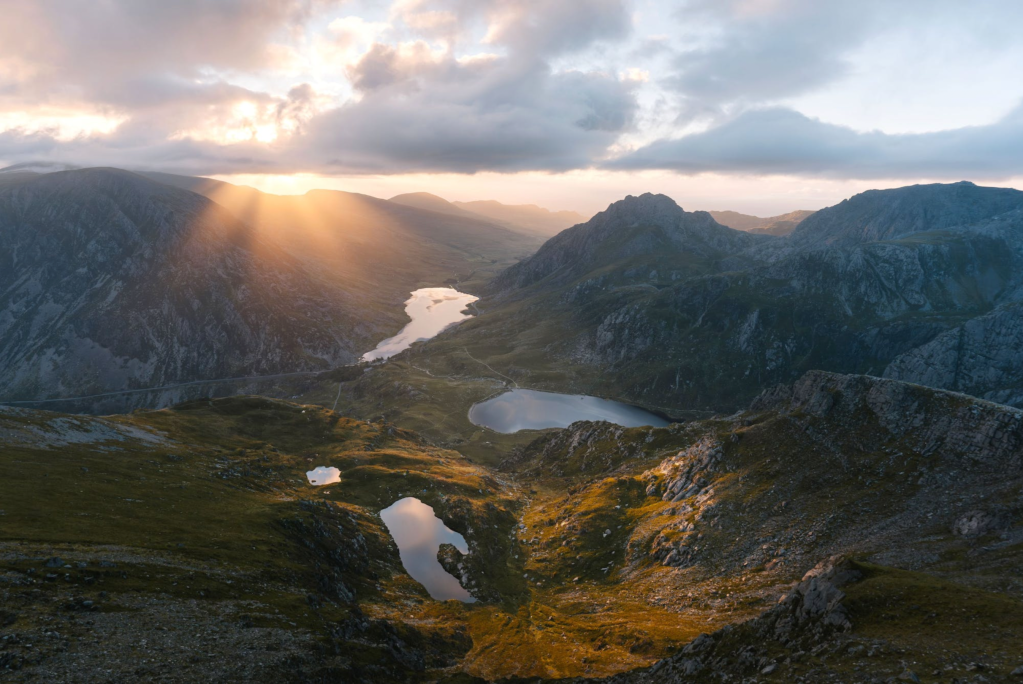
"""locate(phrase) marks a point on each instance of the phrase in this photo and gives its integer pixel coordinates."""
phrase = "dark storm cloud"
(781, 141)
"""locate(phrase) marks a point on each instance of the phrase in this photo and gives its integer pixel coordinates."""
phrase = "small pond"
(522, 409)
(432, 309)
(418, 532)
(323, 476)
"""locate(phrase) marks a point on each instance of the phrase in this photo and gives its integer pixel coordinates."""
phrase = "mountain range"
(524, 218)
(114, 281)
(670, 309)
(838, 495)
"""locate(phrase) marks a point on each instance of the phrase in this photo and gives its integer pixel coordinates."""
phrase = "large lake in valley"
(418, 532)
(523, 409)
(432, 309)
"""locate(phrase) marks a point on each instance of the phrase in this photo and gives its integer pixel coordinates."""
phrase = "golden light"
(246, 110)
(61, 124)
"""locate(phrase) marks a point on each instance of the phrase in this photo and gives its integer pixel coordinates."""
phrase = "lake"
(418, 532)
(432, 309)
(522, 409)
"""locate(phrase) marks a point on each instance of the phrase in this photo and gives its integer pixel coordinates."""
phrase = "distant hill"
(530, 216)
(528, 219)
(431, 202)
(774, 225)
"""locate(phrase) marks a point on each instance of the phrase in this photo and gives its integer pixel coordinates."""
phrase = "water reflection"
(432, 309)
(419, 534)
(323, 476)
(522, 409)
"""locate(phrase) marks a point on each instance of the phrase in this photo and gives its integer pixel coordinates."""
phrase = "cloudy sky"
(757, 105)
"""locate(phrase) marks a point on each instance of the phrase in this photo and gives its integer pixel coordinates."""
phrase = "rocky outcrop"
(805, 618)
(983, 356)
(683, 475)
(942, 423)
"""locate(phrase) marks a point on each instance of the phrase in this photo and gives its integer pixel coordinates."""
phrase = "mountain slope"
(111, 281)
(636, 228)
(670, 310)
(527, 216)
(593, 550)
(982, 357)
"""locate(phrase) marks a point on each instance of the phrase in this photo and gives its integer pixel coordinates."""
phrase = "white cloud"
(761, 86)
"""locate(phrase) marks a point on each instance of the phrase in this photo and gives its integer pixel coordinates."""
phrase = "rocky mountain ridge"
(114, 281)
(667, 308)
(111, 281)
(888, 214)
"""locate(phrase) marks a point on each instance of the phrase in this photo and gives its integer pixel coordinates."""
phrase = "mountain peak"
(650, 224)
(648, 208)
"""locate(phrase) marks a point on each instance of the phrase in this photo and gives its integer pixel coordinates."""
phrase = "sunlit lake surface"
(419, 534)
(432, 309)
(522, 409)
(323, 476)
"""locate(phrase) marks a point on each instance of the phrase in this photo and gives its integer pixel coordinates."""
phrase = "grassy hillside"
(593, 550)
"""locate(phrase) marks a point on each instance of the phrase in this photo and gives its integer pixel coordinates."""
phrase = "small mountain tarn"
(419, 534)
(523, 409)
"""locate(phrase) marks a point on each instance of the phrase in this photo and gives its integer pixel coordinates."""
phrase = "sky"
(762, 106)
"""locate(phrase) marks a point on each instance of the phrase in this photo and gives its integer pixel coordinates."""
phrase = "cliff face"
(983, 356)
(111, 281)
